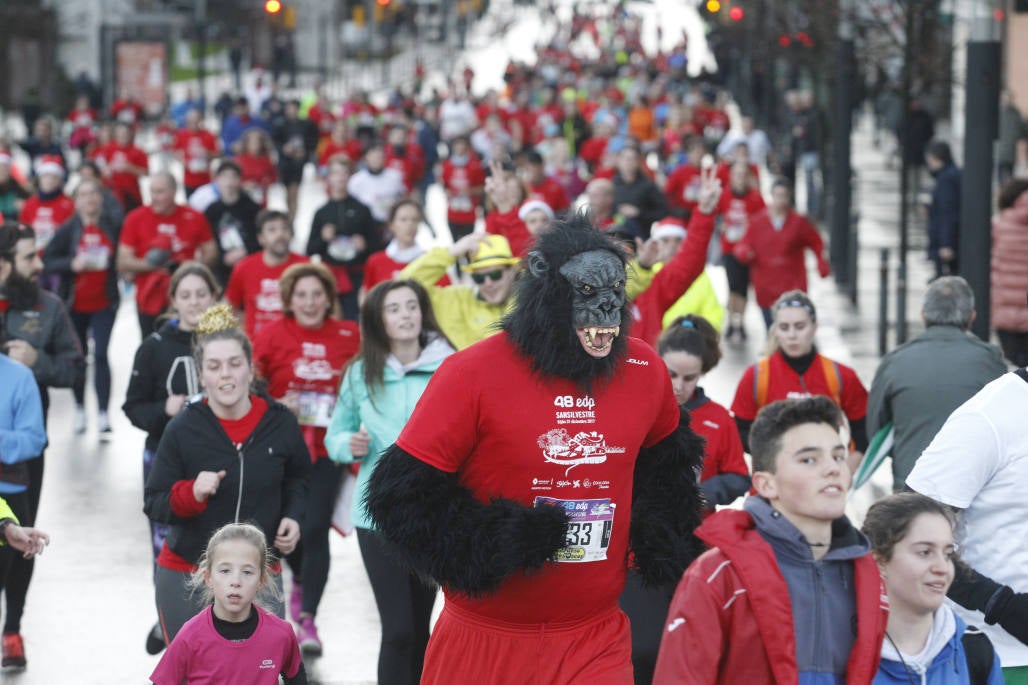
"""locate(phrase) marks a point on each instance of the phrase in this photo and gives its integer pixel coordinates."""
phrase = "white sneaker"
(103, 426)
(79, 424)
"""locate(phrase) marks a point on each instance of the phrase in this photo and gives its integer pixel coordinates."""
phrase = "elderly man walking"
(919, 384)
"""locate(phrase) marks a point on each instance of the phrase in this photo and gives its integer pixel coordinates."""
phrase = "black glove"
(157, 257)
(999, 603)
(1010, 610)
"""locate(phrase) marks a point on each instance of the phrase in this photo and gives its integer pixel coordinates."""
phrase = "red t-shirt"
(253, 287)
(197, 148)
(182, 232)
(238, 430)
(351, 148)
(552, 193)
(723, 451)
(380, 267)
(461, 206)
(113, 159)
(308, 362)
(776, 255)
(735, 214)
(593, 150)
(683, 187)
(511, 227)
(259, 170)
(45, 216)
(489, 418)
(91, 285)
(784, 383)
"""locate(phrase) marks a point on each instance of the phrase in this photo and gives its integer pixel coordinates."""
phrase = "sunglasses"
(480, 276)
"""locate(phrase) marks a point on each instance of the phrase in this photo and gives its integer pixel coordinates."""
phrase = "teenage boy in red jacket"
(789, 592)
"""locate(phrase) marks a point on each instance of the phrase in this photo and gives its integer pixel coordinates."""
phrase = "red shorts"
(467, 648)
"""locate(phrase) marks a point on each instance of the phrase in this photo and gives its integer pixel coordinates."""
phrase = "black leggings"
(647, 611)
(100, 324)
(404, 608)
(16, 570)
(311, 558)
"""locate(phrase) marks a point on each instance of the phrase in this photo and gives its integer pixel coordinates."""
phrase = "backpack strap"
(761, 380)
(834, 379)
(979, 654)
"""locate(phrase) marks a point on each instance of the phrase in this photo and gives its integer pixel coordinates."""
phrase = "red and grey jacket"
(731, 618)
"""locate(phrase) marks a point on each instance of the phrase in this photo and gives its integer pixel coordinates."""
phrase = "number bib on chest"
(315, 409)
(591, 522)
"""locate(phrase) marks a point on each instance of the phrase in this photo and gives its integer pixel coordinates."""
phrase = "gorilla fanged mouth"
(597, 340)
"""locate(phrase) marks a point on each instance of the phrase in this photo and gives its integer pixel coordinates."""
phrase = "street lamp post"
(842, 128)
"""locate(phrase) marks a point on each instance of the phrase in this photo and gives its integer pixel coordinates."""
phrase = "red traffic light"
(272, 6)
(736, 13)
(784, 40)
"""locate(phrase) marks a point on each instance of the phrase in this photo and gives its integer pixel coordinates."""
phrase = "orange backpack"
(762, 377)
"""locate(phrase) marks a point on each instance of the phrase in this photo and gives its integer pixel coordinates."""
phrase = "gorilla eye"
(617, 286)
(587, 288)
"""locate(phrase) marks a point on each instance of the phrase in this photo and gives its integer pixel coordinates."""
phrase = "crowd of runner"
(342, 337)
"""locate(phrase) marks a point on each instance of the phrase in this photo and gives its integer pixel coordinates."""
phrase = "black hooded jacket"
(265, 481)
(163, 366)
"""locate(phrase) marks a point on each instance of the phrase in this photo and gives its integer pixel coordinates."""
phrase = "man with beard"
(538, 465)
(253, 285)
(36, 331)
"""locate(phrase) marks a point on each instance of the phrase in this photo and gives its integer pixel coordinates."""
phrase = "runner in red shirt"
(123, 164)
(683, 184)
(82, 119)
(518, 447)
(195, 147)
(126, 109)
(774, 248)
(507, 193)
(739, 201)
(542, 186)
(302, 355)
(463, 181)
(49, 207)
(155, 239)
(256, 165)
(404, 219)
(339, 143)
(253, 286)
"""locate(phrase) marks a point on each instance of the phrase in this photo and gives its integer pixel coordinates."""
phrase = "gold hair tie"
(216, 318)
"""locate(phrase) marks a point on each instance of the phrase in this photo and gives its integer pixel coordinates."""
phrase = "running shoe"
(296, 602)
(307, 636)
(14, 651)
(155, 640)
(79, 422)
(103, 426)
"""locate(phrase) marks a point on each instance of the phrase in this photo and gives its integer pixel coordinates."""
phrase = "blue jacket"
(22, 435)
(384, 418)
(944, 212)
(948, 667)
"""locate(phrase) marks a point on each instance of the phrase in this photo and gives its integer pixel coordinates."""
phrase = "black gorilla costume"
(567, 324)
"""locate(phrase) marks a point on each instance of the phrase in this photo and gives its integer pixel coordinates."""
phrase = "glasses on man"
(479, 277)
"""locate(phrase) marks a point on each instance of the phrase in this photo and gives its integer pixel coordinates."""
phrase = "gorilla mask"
(597, 281)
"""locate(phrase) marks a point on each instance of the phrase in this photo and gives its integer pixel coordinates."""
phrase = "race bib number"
(591, 521)
(315, 409)
(460, 203)
(230, 238)
(197, 165)
(735, 232)
(96, 257)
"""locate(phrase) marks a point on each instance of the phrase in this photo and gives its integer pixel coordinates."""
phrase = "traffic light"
(736, 13)
(713, 6)
(383, 3)
(272, 6)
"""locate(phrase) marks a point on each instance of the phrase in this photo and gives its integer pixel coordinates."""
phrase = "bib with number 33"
(589, 528)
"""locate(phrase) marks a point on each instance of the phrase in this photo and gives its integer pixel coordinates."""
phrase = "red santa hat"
(670, 227)
(534, 204)
(50, 164)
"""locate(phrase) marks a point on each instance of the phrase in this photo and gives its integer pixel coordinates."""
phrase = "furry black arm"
(724, 488)
(443, 532)
(666, 506)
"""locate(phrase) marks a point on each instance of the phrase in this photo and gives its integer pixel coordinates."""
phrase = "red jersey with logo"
(784, 383)
(181, 232)
(462, 206)
(197, 149)
(91, 284)
(776, 255)
(46, 216)
(723, 451)
(307, 362)
(253, 287)
(114, 160)
(199, 654)
(735, 211)
(487, 417)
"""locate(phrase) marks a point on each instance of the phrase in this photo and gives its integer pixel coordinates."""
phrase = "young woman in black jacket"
(231, 456)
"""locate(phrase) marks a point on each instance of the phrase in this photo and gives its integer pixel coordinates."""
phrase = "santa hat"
(668, 228)
(50, 164)
(533, 205)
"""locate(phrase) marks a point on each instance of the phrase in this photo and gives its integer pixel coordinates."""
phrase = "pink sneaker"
(307, 636)
(296, 602)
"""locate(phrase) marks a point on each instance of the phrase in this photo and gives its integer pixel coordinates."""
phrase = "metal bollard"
(883, 301)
